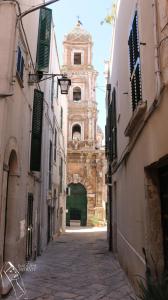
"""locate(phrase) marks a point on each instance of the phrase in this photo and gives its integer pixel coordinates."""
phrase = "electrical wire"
(36, 7)
(99, 87)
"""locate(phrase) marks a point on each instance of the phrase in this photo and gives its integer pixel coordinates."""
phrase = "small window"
(76, 132)
(77, 58)
(76, 94)
(20, 63)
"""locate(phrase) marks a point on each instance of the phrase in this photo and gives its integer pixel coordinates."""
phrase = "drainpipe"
(110, 203)
(157, 54)
(110, 217)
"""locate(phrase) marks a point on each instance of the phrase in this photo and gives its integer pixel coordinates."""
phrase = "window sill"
(136, 119)
(35, 175)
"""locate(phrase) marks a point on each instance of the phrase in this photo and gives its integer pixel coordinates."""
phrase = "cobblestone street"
(77, 266)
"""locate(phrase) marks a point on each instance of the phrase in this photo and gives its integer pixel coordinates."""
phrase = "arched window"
(76, 94)
(76, 132)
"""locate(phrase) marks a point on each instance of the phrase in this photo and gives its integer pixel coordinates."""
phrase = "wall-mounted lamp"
(64, 82)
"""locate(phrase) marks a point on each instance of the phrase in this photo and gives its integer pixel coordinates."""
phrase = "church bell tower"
(85, 157)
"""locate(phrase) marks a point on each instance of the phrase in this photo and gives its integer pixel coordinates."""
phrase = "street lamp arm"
(64, 82)
(55, 74)
(49, 76)
(36, 8)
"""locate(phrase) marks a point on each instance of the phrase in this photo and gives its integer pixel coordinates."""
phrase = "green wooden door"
(77, 204)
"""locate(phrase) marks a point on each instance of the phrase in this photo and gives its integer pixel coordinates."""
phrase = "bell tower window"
(77, 58)
(76, 94)
(76, 132)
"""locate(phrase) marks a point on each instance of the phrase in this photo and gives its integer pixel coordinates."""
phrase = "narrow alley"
(77, 266)
(83, 150)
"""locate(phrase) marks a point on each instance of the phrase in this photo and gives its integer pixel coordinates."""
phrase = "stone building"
(136, 135)
(32, 133)
(85, 158)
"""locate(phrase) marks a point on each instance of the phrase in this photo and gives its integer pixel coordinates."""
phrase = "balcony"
(137, 117)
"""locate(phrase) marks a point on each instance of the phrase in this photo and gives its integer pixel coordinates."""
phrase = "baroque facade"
(32, 133)
(85, 156)
(136, 131)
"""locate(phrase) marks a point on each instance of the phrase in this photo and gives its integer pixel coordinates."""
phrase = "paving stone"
(77, 266)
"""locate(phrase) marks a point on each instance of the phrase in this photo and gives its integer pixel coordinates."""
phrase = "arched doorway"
(77, 204)
(10, 228)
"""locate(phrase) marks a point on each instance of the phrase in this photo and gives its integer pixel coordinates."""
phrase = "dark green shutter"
(106, 139)
(114, 125)
(44, 34)
(108, 120)
(134, 59)
(110, 133)
(19, 57)
(50, 167)
(35, 159)
(112, 128)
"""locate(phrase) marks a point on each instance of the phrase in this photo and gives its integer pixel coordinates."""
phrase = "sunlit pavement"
(77, 266)
(76, 229)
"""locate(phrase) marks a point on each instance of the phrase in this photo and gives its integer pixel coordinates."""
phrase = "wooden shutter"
(22, 68)
(106, 139)
(134, 59)
(19, 56)
(114, 125)
(44, 34)
(112, 128)
(108, 120)
(108, 94)
(35, 160)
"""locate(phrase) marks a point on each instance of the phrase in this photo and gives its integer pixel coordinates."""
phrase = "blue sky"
(91, 13)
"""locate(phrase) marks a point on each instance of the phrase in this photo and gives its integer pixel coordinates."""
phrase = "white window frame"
(82, 56)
